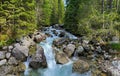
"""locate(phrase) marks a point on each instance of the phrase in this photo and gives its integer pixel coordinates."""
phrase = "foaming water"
(53, 68)
(26, 73)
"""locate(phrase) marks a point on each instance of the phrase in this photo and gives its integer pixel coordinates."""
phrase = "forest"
(18, 17)
(97, 21)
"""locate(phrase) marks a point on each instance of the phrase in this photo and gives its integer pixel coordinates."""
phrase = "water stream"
(53, 68)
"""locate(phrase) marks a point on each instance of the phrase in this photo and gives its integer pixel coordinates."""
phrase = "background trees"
(76, 12)
(84, 16)
(17, 17)
(81, 17)
(50, 12)
(20, 17)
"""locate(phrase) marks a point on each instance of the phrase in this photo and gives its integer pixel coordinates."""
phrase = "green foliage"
(17, 17)
(117, 26)
(86, 16)
(2, 43)
(115, 46)
(47, 6)
(50, 12)
(54, 15)
(75, 11)
(10, 41)
(61, 11)
(83, 30)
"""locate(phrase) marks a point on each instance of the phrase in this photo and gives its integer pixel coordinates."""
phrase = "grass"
(115, 46)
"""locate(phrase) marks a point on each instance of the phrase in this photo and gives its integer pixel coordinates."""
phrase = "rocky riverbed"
(88, 57)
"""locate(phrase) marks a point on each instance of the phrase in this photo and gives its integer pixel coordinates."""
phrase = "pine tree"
(54, 15)
(61, 11)
(76, 11)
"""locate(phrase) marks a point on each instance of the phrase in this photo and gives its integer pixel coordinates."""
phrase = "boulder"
(107, 56)
(10, 48)
(86, 47)
(99, 49)
(8, 55)
(5, 48)
(62, 34)
(2, 54)
(80, 66)
(55, 32)
(26, 41)
(59, 41)
(57, 26)
(79, 49)
(39, 37)
(115, 39)
(5, 69)
(20, 52)
(2, 62)
(16, 45)
(111, 68)
(11, 70)
(61, 58)
(32, 50)
(69, 50)
(20, 68)
(12, 61)
(38, 60)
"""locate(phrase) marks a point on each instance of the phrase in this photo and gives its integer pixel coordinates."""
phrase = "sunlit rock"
(80, 66)
(69, 50)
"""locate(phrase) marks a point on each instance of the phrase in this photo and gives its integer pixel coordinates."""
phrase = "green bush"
(115, 46)
(2, 43)
(117, 26)
(83, 30)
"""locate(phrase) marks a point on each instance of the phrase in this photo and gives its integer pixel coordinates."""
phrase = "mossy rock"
(21, 67)
(18, 69)
(32, 50)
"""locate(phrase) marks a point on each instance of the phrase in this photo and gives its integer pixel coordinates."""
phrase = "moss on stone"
(32, 50)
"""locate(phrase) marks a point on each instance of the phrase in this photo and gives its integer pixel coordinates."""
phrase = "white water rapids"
(53, 68)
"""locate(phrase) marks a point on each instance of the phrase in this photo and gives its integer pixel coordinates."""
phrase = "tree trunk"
(102, 6)
(110, 4)
(39, 4)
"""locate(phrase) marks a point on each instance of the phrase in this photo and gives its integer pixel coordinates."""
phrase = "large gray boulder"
(80, 66)
(38, 60)
(61, 58)
(69, 50)
(26, 41)
(12, 61)
(59, 41)
(39, 37)
(5, 69)
(20, 52)
(79, 49)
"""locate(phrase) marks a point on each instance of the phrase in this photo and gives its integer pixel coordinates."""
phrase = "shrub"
(115, 46)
